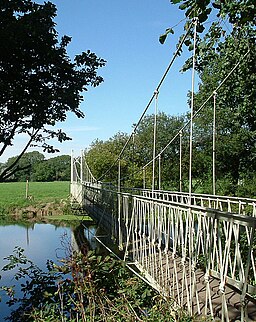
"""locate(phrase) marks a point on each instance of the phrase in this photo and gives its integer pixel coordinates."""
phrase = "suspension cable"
(154, 141)
(72, 167)
(81, 167)
(185, 125)
(201, 107)
(197, 111)
(192, 108)
(150, 101)
(159, 172)
(144, 178)
(214, 145)
(133, 158)
(180, 161)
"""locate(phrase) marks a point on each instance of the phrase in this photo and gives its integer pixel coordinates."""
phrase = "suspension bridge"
(197, 249)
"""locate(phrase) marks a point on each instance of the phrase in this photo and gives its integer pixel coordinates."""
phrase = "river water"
(39, 241)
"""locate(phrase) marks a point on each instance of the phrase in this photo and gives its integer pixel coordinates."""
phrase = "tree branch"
(10, 136)
(7, 172)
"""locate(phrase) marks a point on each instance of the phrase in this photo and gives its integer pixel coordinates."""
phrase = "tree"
(216, 20)
(33, 166)
(235, 113)
(102, 156)
(225, 39)
(53, 169)
(27, 163)
(39, 84)
(166, 129)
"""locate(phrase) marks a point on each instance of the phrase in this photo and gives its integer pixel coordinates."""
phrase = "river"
(40, 242)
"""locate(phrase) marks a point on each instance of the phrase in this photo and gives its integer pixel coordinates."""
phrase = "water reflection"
(84, 236)
(45, 241)
(40, 243)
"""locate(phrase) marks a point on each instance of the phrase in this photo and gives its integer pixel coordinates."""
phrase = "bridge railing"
(196, 254)
(242, 206)
(176, 242)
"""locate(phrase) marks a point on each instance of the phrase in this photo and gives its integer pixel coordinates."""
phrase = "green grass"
(14, 193)
(68, 218)
(41, 194)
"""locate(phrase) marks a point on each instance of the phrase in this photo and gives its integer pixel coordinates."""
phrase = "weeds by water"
(84, 288)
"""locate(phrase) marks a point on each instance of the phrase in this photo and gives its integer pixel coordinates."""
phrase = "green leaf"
(162, 38)
(183, 6)
(175, 1)
(187, 42)
(203, 17)
(191, 47)
(200, 28)
(169, 31)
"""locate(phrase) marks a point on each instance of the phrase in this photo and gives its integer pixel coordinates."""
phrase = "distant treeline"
(34, 167)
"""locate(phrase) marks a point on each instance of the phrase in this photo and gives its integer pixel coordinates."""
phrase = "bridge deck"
(153, 233)
(174, 266)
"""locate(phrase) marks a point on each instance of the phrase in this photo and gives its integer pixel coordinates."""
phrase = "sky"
(125, 34)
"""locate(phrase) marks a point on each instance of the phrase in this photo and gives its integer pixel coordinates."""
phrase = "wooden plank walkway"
(175, 287)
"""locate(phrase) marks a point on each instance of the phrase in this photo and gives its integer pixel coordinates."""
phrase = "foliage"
(102, 157)
(53, 169)
(36, 284)
(33, 166)
(225, 42)
(235, 116)
(38, 81)
(215, 20)
(84, 288)
(26, 163)
(167, 127)
(235, 150)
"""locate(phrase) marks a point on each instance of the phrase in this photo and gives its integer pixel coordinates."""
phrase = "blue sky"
(125, 34)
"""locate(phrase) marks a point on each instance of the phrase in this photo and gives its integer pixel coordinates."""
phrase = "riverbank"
(36, 202)
(39, 212)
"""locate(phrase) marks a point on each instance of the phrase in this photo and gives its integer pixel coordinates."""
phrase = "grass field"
(13, 196)
(14, 193)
